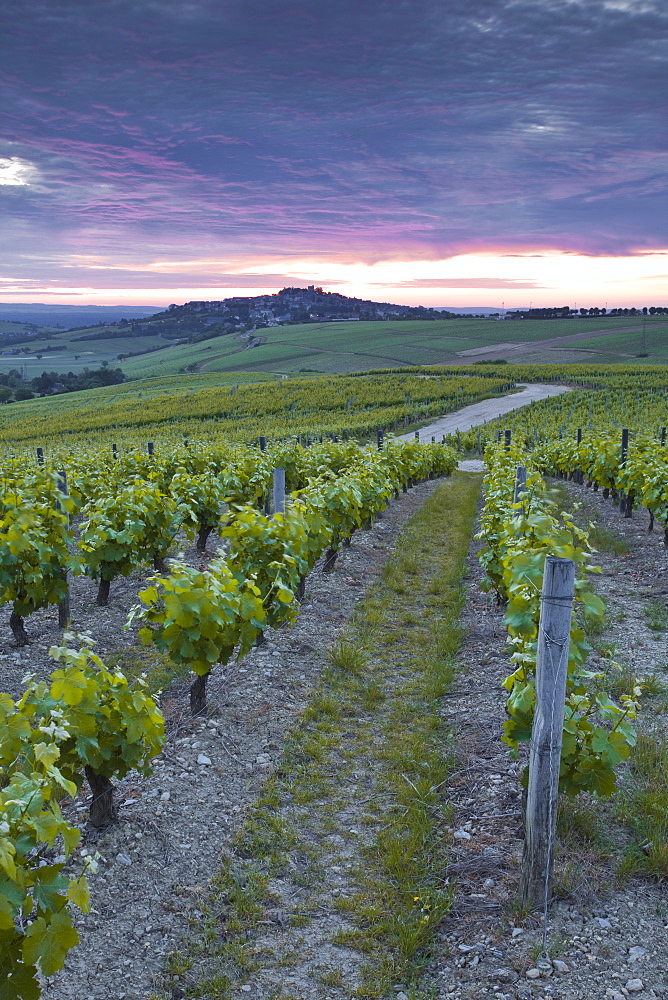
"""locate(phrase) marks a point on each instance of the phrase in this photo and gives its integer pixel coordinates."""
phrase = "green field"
(630, 345)
(63, 352)
(332, 348)
(339, 348)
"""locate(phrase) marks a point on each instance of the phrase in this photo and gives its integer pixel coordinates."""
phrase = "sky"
(435, 152)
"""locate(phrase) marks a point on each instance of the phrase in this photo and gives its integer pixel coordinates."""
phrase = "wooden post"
(554, 632)
(417, 435)
(579, 435)
(149, 447)
(279, 491)
(64, 605)
(114, 451)
(663, 436)
(506, 435)
(40, 456)
(520, 484)
(379, 438)
(624, 452)
(263, 443)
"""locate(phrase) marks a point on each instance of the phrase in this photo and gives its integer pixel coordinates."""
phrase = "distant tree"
(5, 393)
(24, 394)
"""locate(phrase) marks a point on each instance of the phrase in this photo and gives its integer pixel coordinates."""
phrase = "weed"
(643, 805)
(322, 705)
(656, 614)
(287, 959)
(332, 977)
(349, 657)
(652, 685)
(372, 695)
(395, 580)
(555, 947)
(578, 820)
(265, 835)
(604, 539)
(621, 679)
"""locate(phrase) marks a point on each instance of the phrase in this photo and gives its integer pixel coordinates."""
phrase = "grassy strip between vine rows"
(361, 790)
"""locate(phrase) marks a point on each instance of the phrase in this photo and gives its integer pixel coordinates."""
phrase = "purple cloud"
(377, 130)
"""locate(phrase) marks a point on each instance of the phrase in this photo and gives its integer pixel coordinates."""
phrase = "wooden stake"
(625, 448)
(64, 605)
(545, 755)
(520, 484)
(279, 491)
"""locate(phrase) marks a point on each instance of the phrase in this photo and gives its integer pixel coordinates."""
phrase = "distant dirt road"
(488, 409)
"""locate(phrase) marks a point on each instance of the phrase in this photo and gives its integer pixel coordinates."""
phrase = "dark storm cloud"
(357, 127)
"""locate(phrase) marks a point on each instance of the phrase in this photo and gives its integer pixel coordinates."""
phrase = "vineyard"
(162, 545)
(169, 410)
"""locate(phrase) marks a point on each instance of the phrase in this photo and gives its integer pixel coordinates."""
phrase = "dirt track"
(488, 409)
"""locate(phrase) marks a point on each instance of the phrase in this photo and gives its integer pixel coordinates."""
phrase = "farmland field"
(332, 348)
(337, 348)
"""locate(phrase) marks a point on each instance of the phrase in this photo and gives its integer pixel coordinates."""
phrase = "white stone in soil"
(203, 759)
(635, 985)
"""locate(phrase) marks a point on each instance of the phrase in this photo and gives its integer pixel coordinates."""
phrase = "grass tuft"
(643, 805)
(604, 539)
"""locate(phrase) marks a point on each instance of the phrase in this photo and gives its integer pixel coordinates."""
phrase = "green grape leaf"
(19, 982)
(46, 944)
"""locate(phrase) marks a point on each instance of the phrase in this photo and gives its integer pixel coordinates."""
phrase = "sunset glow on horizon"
(485, 280)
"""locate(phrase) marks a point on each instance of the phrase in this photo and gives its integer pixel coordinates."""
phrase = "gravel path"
(487, 409)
